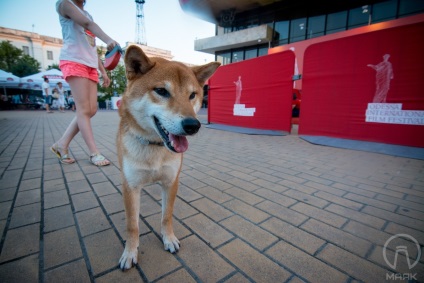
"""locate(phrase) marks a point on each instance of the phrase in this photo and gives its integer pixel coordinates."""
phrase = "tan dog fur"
(172, 93)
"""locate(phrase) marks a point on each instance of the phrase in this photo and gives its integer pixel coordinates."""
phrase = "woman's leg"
(84, 92)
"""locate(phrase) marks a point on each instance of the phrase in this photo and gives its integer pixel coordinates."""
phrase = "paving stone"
(304, 265)
(367, 219)
(275, 197)
(84, 201)
(209, 267)
(352, 264)
(21, 242)
(57, 198)
(209, 231)
(214, 194)
(61, 246)
(320, 214)
(148, 206)
(7, 194)
(96, 178)
(57, 218)
(178, 276)
(300, 196)
(104, 250)
(104, 188)
(338, 237)
(5, 209)
(74, 176)
(293, 235)
(75, 271)
(22, 270)
(154, 260)
(282, 212)
(80, 186)
(246, 211)
(128, 276)
(394, 228)
(27, 214)
(211, 209)
(92, 221)
(244, 196)
(254, 264)
(339, 200)
(31, 174)
(27, 197)
(371, 202)
(183, 210)
(393, 217)
(26, 185)
(112, 203)
(188, 194)
(53, 185)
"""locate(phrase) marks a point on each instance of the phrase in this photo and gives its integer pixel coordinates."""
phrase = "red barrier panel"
(366, 87)
(255, 93)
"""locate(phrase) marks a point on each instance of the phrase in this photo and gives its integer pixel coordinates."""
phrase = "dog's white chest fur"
(148, 164)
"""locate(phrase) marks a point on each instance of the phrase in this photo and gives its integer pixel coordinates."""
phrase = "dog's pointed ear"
(204, 72)
(136, 62)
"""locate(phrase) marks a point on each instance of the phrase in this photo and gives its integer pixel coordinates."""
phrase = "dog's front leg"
(169, 193)
(132, 209)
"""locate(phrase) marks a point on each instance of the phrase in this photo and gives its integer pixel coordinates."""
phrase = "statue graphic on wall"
(240, 109)
(384, 73)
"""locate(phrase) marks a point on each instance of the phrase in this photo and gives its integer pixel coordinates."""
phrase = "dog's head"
(163, 97)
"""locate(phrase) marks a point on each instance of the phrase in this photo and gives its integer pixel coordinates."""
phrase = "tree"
(13, 60)
(53, 66)
(118, 82)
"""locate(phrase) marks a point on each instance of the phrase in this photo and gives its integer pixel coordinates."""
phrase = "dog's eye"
(162, 92)
(192, 96)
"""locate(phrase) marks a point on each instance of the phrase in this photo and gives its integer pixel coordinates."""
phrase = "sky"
(167, 26)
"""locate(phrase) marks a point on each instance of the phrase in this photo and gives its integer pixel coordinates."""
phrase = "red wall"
(266, 88)
(338, 85)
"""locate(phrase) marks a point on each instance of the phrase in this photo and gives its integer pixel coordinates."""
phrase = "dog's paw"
(128, 259)
(171, 243)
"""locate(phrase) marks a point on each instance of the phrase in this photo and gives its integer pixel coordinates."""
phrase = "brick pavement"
(249, 209)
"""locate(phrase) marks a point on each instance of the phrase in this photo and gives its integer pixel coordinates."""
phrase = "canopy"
(35, 81)
(8, 79)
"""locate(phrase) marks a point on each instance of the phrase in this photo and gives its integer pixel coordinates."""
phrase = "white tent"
(35, 81)
(8, 80)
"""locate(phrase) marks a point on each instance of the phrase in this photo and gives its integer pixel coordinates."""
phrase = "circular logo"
(403, 250)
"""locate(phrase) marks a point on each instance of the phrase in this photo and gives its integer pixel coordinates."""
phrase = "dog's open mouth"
(173, 142)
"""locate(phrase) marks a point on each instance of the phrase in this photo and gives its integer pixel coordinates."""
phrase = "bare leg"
(84, 92)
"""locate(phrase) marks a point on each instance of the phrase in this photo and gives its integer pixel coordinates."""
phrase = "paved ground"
(249, 209)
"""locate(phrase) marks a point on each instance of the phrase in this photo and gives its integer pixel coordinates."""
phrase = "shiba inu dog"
(158, 110)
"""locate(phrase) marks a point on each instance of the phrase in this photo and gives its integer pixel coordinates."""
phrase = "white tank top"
(79, 45)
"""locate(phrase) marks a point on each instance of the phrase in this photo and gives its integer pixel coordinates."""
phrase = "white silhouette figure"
(384, 73)
(240, 109)
(238, 90)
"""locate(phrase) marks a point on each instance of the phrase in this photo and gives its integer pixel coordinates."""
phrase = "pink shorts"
(73, 69)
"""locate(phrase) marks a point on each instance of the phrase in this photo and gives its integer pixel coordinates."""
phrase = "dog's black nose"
(191, 125)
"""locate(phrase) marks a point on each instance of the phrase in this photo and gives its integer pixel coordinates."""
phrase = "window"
(237, 56)
(384, 11)
(282, 30)
(263, 51)
(408, 7)
(359, 17)
(298, 29)
(224, 58)
(50, 55)
(336, 22)
(25, 49)
(316, 26)
(250, 53)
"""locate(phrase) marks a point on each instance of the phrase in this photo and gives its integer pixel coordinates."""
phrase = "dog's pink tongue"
(180, 143)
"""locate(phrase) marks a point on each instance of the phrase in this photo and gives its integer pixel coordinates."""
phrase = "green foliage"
(53, 66)
(118, 83)
(13, 60)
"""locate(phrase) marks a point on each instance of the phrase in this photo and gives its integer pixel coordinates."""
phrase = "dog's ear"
(136, 62)
(204, 72)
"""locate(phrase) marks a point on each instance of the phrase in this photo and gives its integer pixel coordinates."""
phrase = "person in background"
(47, 94)
(71, 102)
(61, 99)
(79, 63)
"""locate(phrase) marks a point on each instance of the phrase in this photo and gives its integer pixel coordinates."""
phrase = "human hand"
(111, 44)
(106, 80)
